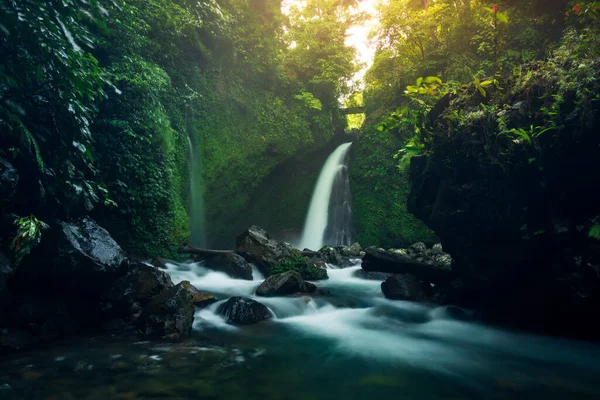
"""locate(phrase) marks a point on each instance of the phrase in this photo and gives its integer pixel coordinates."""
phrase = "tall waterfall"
(329, 219)
(197, 218)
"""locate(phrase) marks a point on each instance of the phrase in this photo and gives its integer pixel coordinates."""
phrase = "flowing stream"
(350, 343)
(197, 216)
(322, 226)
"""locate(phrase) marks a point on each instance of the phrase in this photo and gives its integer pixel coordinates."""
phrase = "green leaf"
(595, 231)
(502, 17)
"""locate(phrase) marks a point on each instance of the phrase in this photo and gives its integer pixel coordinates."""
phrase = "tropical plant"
(28, 236)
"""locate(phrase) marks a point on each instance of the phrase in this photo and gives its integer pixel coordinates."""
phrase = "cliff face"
(515, 203)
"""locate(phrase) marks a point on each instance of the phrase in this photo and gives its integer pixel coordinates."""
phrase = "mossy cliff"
(510, 186)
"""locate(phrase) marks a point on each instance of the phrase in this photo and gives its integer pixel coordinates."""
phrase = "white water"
(318, 212)
(357, 321)
(197, 217)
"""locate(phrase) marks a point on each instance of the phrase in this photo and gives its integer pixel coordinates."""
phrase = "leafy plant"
(527, 136)
(28, 236)
(481, 85)
(594, 231)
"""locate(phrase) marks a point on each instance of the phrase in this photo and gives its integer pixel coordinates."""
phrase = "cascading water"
(197, 218)
(329, 218)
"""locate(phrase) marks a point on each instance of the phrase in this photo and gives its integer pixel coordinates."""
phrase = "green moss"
(300, 264)
(380, 190)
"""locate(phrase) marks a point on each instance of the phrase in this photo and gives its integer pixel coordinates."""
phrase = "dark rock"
(372, 276)
(159, 262)
(417, 249)
(244, 311)
(169, 315)
(85, 247)
(232, 264)
(403, 287)
(379, 260)
(283, 284)
(257, 247)
(130, 293)
(200, 299)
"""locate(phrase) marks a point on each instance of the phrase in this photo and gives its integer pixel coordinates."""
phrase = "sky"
(357, 35)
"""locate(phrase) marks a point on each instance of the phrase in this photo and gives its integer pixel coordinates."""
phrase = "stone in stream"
(232, 264)
(380, 260)
(257, 247)
(283, 284)
(200, 299)
(351, 251)
(332, 256)
(372, 275)
(403, 287)
(169, 315)
(244, 311)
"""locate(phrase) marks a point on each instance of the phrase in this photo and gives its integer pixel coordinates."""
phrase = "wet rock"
(351, 251)
(130, 293)
(283, 284)
(244, 311)
(200, 299)
(372, 276)
(232, 264)
(169, 315)
(403, 287)
(87, 248)
(159, 262)
(256, 246)
(437, 249)
(443, 260)
(379, 260)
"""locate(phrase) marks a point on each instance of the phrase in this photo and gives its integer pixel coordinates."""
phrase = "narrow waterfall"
(197, 218)
(329, 218)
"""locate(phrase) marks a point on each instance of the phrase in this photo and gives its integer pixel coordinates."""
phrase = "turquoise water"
(350, 344)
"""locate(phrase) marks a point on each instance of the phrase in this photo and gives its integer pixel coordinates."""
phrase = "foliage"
(28, 236)
(594, 231)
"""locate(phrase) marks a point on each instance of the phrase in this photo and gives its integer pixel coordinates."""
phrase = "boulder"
(85, 247)
(379, 260)
(403, 287)
(417, 249)
(437, 249)
(244, 311)
(257, 247)
(314, 270)
(133, 291)
(332, 256)
(283, 284)
(372, 276)
(351, 251)
(169, 315)
(199, 299)
(232, 264)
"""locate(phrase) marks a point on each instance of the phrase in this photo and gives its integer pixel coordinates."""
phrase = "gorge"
(225, 199)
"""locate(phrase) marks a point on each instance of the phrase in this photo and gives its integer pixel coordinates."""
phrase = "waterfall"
(329, 218)
(197, 218)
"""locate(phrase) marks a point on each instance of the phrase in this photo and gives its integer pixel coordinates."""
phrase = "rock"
(9, 178)
(169, 315)
(332, 256)
(85, 247)
(417, 249)
(283, 284)
(372, 276)
(159, 262)
(133, 291)
(403, 287)
(437, 249)
(400, 252)
(379, 260)
(314, 270)
(257, 247)
(232, 264)
(351, 251)
(200, 299)
(443, 260)
(244, 311)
